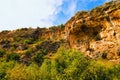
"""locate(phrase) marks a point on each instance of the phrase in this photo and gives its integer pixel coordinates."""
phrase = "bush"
(23, 72)
(71, 64)
(14, 45)
(2, 75)
(17, 73)
(13, 56)
(39, 57)
(2, 52)
(61, 26)
(29, 41)
(29, 52)
(99, 70)
(117, 72)
(4, 67)
(65, 65)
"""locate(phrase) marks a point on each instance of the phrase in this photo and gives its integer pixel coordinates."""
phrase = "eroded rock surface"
(96, 32)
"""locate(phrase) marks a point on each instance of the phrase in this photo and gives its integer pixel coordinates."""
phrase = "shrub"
(28, 52)
(5, 31)
(98, 70)
(4, 67)
(22, 72)
(61, 26)
(18, 39)
(38, 58)
(65, 65)
(70, 64)
(2, 52)
(29, 41)
(17, 73)
(14, 45)
(2, 75)
(117, 72)
(45, 71)
(33, 72)
(13, 56)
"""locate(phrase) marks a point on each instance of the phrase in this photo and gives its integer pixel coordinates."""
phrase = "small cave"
(79, 41)
(92, 32)
(97, 36)
(69, 28)
(63, 33)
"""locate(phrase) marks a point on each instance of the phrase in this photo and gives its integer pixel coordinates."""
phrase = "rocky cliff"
(96, 33)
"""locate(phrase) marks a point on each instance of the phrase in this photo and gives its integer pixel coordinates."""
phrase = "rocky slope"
(96, 33)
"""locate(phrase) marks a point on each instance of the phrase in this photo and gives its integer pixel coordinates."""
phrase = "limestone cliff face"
(53, 33)
(97, 32)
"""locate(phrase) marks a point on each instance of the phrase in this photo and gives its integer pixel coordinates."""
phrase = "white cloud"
(26, 13)
(69, 8)
(31, 13)
(108, 0)
(72, 8)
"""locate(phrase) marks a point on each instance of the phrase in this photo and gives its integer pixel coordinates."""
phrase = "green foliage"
(5, 31)
(2, 75)
(98, 70)
(17, 73)
(64, 65)
(61, 26)
(29, 52)
(117, 72)
(14, 45)
(73, 63)
(4, 67)
(18, 39)
(39, 57)
(33, 72)
(13, 56)
(29, 41)
(22, 72)
(2, 52)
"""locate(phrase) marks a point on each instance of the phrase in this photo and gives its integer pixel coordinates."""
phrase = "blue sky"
(16, 14)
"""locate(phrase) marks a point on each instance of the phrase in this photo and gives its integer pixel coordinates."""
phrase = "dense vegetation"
(38, 54)
(64, 65)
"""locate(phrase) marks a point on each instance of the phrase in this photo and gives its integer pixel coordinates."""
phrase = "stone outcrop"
(96, 32)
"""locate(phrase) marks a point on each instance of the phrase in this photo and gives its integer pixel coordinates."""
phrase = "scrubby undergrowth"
(64, 65)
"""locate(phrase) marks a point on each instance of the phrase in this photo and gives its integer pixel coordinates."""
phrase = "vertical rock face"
(96, 33)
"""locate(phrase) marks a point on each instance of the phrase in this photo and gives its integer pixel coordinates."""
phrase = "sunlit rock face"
(97, 32)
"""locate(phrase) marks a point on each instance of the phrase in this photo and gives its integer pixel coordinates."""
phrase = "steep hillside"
(96, 33)
(87, 47)
(27, 42)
